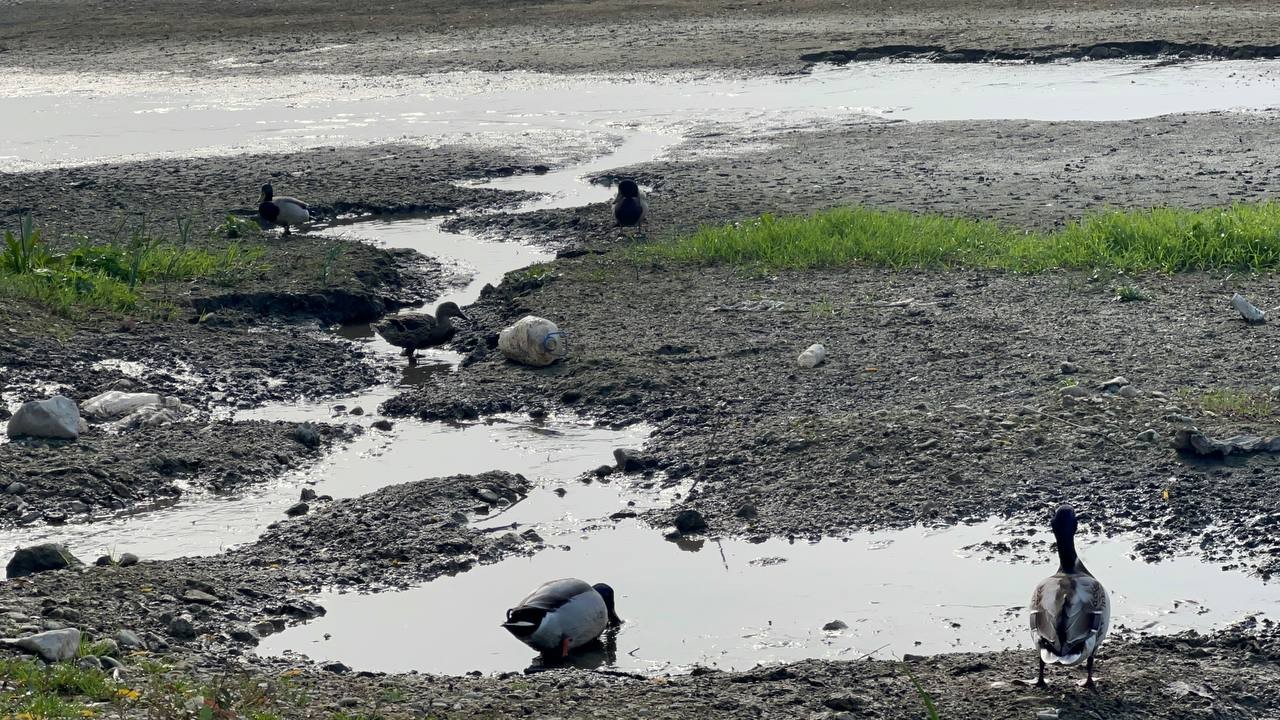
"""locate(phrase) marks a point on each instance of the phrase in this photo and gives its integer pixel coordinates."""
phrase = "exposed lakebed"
(730, 603)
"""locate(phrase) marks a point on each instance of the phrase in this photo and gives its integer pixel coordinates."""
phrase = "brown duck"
(420, 330)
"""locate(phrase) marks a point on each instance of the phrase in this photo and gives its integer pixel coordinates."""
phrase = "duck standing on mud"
(1070, 611)
(562, 615)
(420, 330)
(629, 205)
(283, 211)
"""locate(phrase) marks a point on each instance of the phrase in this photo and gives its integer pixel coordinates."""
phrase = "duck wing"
(1069, 617)
(405, 330)
(554, 594)
(287, 200)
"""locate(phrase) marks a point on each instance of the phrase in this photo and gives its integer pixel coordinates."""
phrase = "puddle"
(734, 604)
(76, 118)
(551, 452)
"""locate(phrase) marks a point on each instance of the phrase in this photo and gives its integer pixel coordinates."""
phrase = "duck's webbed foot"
(1040, 683)
(564, 648)
(1088, 681)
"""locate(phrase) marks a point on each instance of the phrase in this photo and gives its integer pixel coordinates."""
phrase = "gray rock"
(298, 509)
(244, 634)
(129, 640)
(103, 561)
(349, 702)
(335, 667)
(835, 625)
(40, 558)
(844, 702)
(16, 488)
(307, 495)
(110, 663)
(182, 628)
(690, 521)
(128, 560)
(198, 597)
(488, 495)
(106, 648)
(1192, 440)
(1068, 368)
(53, 645)
(1148, 436)
(1129, 391)
(306, 435)
(531, 535)
(1114, 384)
(58, 417)
(89, 663)
(77, 506)
(630, 461)
(747, 511)
(383, 425)
(1073, 391)
(357, 410)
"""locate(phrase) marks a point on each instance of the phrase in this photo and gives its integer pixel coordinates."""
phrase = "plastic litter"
(533, 341)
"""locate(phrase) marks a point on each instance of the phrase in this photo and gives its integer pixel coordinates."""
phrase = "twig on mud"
(1091, 431)
(499, 528)
(873, 652)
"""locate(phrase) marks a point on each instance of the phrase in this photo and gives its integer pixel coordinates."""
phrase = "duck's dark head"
(1064, 522)
(628, 189)
(448, 310)
(606, 592)
(267, 193)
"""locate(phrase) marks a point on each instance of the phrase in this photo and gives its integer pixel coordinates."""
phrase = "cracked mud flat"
(939, 409)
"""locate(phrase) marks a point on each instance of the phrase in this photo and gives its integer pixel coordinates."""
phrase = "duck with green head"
(283, 211)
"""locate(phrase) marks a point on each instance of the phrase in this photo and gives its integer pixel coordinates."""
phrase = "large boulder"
(58, 417)
(52, 646)
(39, 558)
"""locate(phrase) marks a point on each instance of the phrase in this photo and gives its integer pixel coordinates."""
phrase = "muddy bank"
(386, 38)
(393, 537)
(104, 473)
(95, 200)
(1029, 174)
(941, 401)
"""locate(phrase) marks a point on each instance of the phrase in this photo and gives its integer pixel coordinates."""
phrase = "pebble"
(1129, 391)
(835, 625)
(128, 560)
(129, 640)
(18, 488)
(383, 425)
(690, 521)
(1114, 384)
(182, 628)
(1073, 391)
(349, 702)
(307, 494)
(298, 509)
(1069, 368)
(1148, 436)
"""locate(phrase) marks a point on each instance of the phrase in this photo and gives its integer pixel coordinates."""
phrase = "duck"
(1070, 610)
(629, 205)
(283, 211)
(562, 615)
(420, 330)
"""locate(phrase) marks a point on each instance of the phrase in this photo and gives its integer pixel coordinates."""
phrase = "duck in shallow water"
(283, 210)
(1070, 611)
(562, 615)
(420, 330)
(629, 205)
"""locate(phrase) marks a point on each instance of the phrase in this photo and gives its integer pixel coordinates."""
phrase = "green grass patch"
(136, 275)
(1235, 402)
(1241, 237)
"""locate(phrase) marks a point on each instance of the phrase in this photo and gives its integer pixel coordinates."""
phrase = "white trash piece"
(1251, 313)
(813, 356)
(533, 341)
(114, 404)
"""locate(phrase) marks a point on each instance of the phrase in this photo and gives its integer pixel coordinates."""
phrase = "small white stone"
(813, 356)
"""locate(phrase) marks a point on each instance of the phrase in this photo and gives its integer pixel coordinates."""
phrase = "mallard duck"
(629, 205)
(1070, 611)
(562, 615)
(283, 211)
(420, 330)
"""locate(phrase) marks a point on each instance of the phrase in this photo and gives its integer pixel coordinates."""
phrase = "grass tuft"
(113, 276)
(1241, 237)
